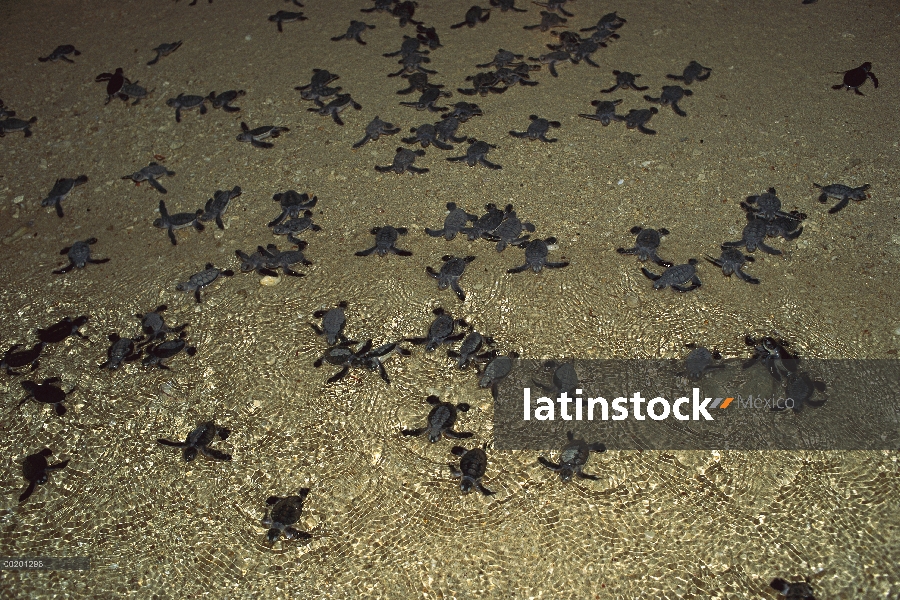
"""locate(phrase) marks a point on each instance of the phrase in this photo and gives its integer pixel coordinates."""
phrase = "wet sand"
(386, 517)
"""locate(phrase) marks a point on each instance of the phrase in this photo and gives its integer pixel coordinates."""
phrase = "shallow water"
(386, 517)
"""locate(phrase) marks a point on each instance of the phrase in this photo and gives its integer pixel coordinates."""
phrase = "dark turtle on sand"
(292, 205)
(218, 204)
(385, 240)
(135, 91)
(225, 99)
(418, 82)
(410, 45)
(503, 58)
(537, 130)
(428, 98)
(412, 64)
(62, 329)
(487, 222)
(509, 232)
(403, 162)
(536, 253)
(572, 458)
(645, 245)
(793, 590)
(440, 421)
(256, 135)
(472, 466)
(114, 83)
(699, 361)
(440, 331)
(670, 96)
(11, 125)
(292, 227)
(283, 16)
(496, 370)
(564, 379)
(677, 277)
(428, 36)
(177, 221)
(46, 393)
(121, 351)
(452, 269)
(404, 11)
(693, 72)
(474, 16)
(354, 31)
(187, 102)
(483, 84)
(755, 231)
(426, 134)
(548, 21)
(800, 388)
(605, 111)
(334, 108)
(282, 514)
(333, 321)
(476, 153)
(198, 441)
(767, 206)
(318, 88)
(36, 471)
(732, 261)
(505, 5)
(638, 118)
(149, 174)
(773, 354)
(464, 111)
(61, 53)
(854, 78)
(14, 358)
(445, 130)
(79, 255)
(469, 348)
(157, 354)
(455, 221)
(285, 259)
(60, 191)
(200, 280)
(164, 50)
(154, 325)
(551, 59)
(255, 262)
(843, 193)
(375, 129)
(380, 6)
(345, 354)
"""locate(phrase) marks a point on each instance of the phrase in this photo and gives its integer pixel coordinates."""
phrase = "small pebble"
(268, 280)
(632, 301)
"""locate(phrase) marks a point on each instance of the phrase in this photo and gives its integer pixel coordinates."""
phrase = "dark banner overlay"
(655, 405)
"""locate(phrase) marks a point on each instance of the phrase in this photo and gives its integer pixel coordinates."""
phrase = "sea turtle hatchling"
(375, 129)
(14, 358)
(385, 240)
(11, 125)
(164, 50)
(426, 134)
(693, 72)
(509, 232)
(476, 153)
(61, 53)
(121, 350)
(218, 204)
(536, 253)
(793, 590)
(498, 367)
(354, 31)
(755, 231)
(670, 96)
(154, 325)
(334, 108)
(440, 421)
(445, 129)
(774, 355)
(564, 379)
(149, 174)
(428, 98)
(333, 321)
(645, 245)
(472, 466)
(638, 118)
(257, 134)
(292, 205)
(187, 102)
(469, 348)
(483, 84)
(609, 21)
(455, 221)
(699, 361)
(177, 221)
(403, 162)
(548, 21)
(374, 358)
(62, 329)
(474, 16)
(428, 36)
(409, 46)
(36, 471)
(412, 64)
(767, 206)
(843, 193)
(159, 353)
(225, 99)
(732, 261)
(537, 130)
(60, 191)
(551, 59)
(283, 16)
(452, 269)
(464, 111)
(198, 441)
(404, 11)
(572, 458)
(487, 222)
(854, 78)
(344, 355)
(440, 331)
(625, 80)
(255, 262)
(5, 112)
(202, 279)
(79, 255)
(114, 82)
(677, 277)
(605, 111)
(282, 514)
(46, 393)
(276, 258)
(135, 91)
(505, 5)
(294, 226)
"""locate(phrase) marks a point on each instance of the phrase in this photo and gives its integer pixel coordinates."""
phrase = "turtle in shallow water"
(440, 421)
(203, 279)
(46, 393)
(36, 470)
(79, 255)
(572, 458)
(198, 441)
(472, 466)
(283, 514)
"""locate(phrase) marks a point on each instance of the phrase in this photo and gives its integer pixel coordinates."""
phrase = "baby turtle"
(61, 190)
(225, 99)
(14, 358)
(255, 262)
(177, 221)
(428, 98)
(552, 59)
(410, 45)
(676, 277)
(767, 206)
(318, 88)
(334, 108)
(403, 162)
(256, 135)
(374, 359)
(638, 118)
(503, 58)
(79, 255)
(283, 16)
(793, 590)
(418, 82)
(555, 5)
(754, 233)
(468, 350)
(11, 125)
(345, 356)
(277, 258)
(476, 153)
(497, 369)
(565, 378)
(505, 5)
(487, 222)
(114, 83)
(333, 321)
(472, 466)
(445, 129)
(440, 331)
(283, 514)
(292, 227)
(774, 355)
(520, 74)
(133, 90)
(440, 421)
(380, 6)
(218, 204)
(854, 78)
(536, 257)
(36, 470)
(474, 16)
(149, 174)
(354, 31)
(625, 81)
(164, 50)
(455, 221)
(693, 72)
(464, 111)
(609, 21)
(732, 261)
(537, 130)
(154, 326)
(483, 84)
(46, 393)
(121, 351)
(62, 329)
(426, 135)
(375, 129)
(606, 111)
(800, 388)
(61, 52)
(187, 102)
(292, 205)
(645, 245)
(166, 350)
(843, 193)
(404, 11)
(198, 441)
(202, 279)
(671, 94)
(787, 227)
(428, 36)
(548, 21)
(509, 232)
(385, 240)
(572, 458)
(699, 361)
(450, 272)
(412, 64)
